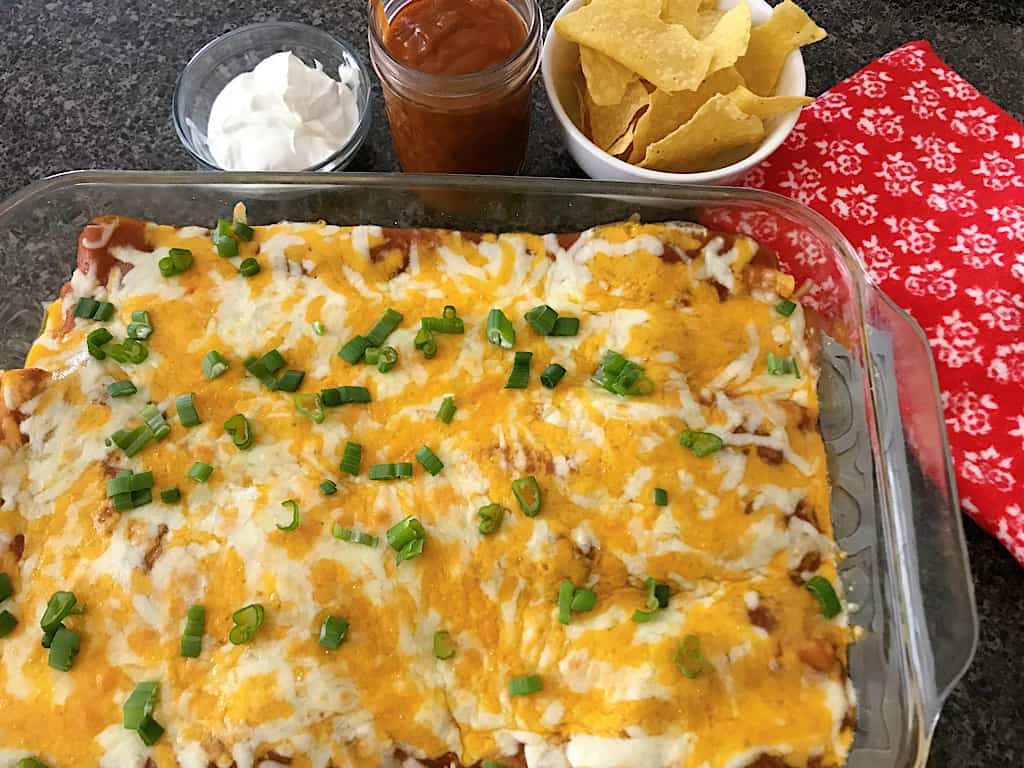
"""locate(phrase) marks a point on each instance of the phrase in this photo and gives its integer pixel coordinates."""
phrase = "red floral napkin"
(925, 176)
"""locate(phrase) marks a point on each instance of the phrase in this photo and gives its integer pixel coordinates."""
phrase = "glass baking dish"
(894, 503)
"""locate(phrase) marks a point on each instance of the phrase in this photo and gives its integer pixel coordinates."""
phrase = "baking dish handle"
(926, 536)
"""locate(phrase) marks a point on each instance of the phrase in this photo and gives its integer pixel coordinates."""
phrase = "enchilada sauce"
(457, 86)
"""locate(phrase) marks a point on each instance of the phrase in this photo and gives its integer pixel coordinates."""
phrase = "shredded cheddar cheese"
(745, 527)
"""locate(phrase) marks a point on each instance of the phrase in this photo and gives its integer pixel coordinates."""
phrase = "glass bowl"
(239, 51)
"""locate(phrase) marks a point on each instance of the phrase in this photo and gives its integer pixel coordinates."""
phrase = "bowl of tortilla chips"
(694, 91)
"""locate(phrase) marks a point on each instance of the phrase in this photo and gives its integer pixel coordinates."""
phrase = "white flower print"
(900, 175)
(1012, 217)
(831, 106)
(956, 341)
(978, 248)
(1017, 270)
(822, 296)
(797, 139)
(1005, 308)
(998, 172)
(807, 249)
(939, 154)
(956, 87)
(804, 183)
(844, 156)
(880, 261)
(1013, 540)
(871, 84)
(855, 203)
(976, 123)
(756, 176)
(968, 412)
(908, 57)
(881, 122)
(925, 101)
(988, 466)
(1007, 367)
(918, 235)
(930, 279)
(1018, 430)
(952, 198)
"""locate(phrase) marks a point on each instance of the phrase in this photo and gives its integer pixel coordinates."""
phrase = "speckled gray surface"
(88, 85)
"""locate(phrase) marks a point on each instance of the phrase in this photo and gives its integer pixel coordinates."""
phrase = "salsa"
(457, 77)
(455, 37)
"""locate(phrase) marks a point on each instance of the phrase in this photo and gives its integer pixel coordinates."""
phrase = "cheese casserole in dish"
(347, 495)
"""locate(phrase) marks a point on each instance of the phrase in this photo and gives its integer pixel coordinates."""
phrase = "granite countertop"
(88, 84)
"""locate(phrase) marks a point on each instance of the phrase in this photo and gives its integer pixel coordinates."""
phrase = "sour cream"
(281, 116)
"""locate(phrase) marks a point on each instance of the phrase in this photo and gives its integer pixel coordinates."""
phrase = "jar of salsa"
(457, 77)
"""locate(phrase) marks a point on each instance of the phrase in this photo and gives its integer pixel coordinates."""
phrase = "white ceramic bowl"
(560, 63)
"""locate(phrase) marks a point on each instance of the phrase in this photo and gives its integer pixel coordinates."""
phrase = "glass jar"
(475, 123)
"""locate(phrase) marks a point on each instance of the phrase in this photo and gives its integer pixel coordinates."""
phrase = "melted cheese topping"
(732, 542)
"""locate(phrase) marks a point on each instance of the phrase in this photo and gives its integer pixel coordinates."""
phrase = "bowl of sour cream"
(277, 96)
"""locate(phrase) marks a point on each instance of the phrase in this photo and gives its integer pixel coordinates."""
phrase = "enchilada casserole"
(314, 495)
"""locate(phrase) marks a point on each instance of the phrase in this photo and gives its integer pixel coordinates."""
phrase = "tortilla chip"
(609, 124)
(668, 111)
(705, 22)
(607, 80)
(680, 12)
(666, 55)
(770, 43)
(717, 127)
(729, 38)
(581, 119)
(766, 106)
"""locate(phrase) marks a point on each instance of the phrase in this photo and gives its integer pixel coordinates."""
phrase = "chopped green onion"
(785, 307)
(384, 358)
(170, 495)
(328, 488)
(499, 330)
(527, 493)
(310, 405)
(319, 328)
(565, 592)
(657, 599)
(63, 648)
(425, 343)
(30, 762)
(491, 516)
(782, 366)
(156, 422)
(223, 228)
(6, 588)
(492, 764)
(356, 537)
(566, 326)
(542, 319)
(85, 308)
(444, 648)
(166, 267)
(584, 599)
(660, 497)
(429, 460)
(520, 375)
(95, 341)
(103, 312)
(181, 259)
(293, 507)
(388, 322)
(122, 388)
(701, 443)
(688, 657)
(249, 267)
(399, 471)
(139, 704)
(449, 322)
(256, 367)
(273, 361)
(133, 441)
(7, 623)
(240, 430)
(552, 375)
(335, 396)
(214, 364)
(351, 458)
(446, 411)
(128, 351)
(621, 377)
(332, 632)
(226, 245)
(406, 538)
(523, 686)
(354, 349)
(150, 731)
(243, 230)
(823, 590)
(200, 472)
(186, 407)
(247, 621)
(129, 490)
(290, 381)
(141, 327)
(192, 637)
